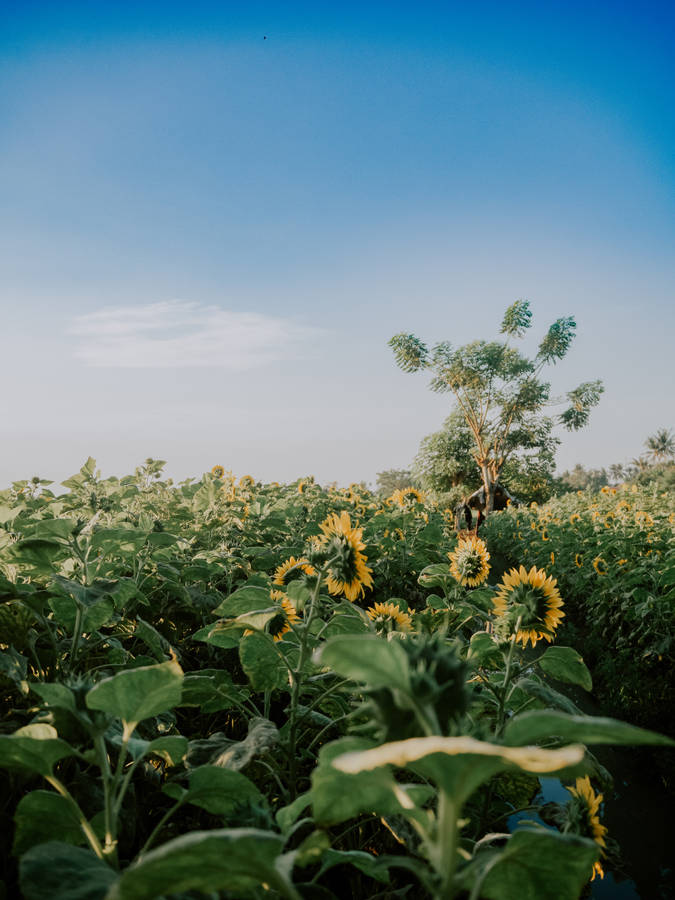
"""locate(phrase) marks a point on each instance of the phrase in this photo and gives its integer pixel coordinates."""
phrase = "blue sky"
(213, 217)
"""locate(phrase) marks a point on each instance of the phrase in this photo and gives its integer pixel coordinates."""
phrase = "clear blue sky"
(213, 217)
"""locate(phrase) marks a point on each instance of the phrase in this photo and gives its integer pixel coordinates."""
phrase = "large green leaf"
(219, 860)
(458, 765)
(62, 872)
(36, 555)
(566, 664)
(216, 790)
(138, 694)
(261, 661)
(36, 748)
(536, 864)
(436, 575)
(41, 814)
(220, 635)
(338, 795)
(94, 616)
(245, 599)
(368, 658)
(538, 725)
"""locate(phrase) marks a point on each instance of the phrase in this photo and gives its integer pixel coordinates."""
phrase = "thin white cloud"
(178, 334)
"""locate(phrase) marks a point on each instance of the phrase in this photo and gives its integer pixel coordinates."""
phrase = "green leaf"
(364, 862)
(247, 599)
(118, 541)
(53, 529)
(540, 864)
(483, 649)
(62, 872)
(222, 859)
(458, 765)
(35, 554)
(211, 690)
(537, 725)
(436, 575)
(55, 694)
(41, 814)
(338, 796)
(368, 658)
(219, 635)
(288, 815)
(345, 620)
(260, 660)
(36, 748)
(99, 613)
(138, 694)
(218, 791)
(566, 664)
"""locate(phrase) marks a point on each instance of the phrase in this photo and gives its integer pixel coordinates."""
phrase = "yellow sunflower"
(218, 471)
(469, 562)
(405, 496)
(281, 623)
(389, 617)
(348, 573)
(578, 559)
(584, 818)
(246, 481)
(599, 565)
(292, 566)
(534, 598)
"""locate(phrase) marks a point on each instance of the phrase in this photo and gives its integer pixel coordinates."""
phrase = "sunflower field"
(228, 689)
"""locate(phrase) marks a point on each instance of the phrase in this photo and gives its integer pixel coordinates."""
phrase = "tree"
(392, 480)
(581, 479)
(661, 446)
(499, 391)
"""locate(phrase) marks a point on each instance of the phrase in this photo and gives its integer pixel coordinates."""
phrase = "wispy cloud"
(179, 334)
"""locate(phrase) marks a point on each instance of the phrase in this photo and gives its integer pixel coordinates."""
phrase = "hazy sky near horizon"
(214, 216)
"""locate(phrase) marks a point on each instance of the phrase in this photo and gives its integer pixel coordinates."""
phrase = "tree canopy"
(499, 393)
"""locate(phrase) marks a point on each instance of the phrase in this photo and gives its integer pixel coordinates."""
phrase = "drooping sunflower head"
(583, 817)
(389, 617)
(348, 573)
(246, 481)
(291, 569)
(534, 599)
(469, 562)
(281, 623)
(218, 471)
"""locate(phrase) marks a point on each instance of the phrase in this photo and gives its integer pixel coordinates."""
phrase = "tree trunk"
(489, 485)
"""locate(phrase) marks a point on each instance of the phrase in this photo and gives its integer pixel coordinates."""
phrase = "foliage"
(612, 554)
(394, 480)
(499, 392)
(195, 707)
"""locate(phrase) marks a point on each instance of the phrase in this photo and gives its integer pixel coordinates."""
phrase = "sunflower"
(291, 567)
(348, 573)
(583, 817)
(533, 598)
(404, 496)
(552, 558)
(578, 559)
(218, 471)
(469, 562)
(246, 481)
(599, 565)
(389, 617)
(604, 489)
(281, 623)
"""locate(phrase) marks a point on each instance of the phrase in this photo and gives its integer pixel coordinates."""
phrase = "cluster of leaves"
(612, 554)
(194, 707)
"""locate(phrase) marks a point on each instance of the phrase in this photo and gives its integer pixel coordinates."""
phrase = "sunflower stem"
(296, 677)
(507, 677)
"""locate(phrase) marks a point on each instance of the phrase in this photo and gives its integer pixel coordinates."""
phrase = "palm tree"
(661, 446)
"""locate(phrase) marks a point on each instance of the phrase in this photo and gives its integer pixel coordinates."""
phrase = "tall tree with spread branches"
(499, 391)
